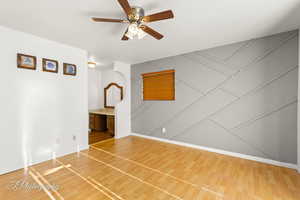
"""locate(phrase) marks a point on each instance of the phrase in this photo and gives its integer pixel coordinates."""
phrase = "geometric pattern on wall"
(240, 98)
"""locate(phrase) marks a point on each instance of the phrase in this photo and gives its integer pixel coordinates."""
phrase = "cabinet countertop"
(103, 111)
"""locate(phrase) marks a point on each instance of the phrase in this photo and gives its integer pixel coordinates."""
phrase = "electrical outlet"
(163, 130)
(74, 137)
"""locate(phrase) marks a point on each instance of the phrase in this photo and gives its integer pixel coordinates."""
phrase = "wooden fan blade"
(151, 32)
(126, 7)
(109, 20)
(159, 16)
(124, 36)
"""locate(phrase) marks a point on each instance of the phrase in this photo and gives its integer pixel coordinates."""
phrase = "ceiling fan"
(137, 19)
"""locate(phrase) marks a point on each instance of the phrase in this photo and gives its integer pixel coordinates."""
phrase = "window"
(159, 86)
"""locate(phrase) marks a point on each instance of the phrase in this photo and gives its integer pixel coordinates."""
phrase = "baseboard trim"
(85, 147)
(238, 155)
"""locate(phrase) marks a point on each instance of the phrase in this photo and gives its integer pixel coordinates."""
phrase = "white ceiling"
(198, 24)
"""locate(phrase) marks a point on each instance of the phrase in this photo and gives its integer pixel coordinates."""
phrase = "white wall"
(41, 112)
(110, 75)
(298, 112)
(123, 109)
(98, 79)
(95, 89)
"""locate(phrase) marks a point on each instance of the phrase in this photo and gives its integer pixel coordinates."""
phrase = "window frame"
(159, 73)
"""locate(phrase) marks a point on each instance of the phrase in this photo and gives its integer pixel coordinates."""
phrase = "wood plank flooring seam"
(117, 169)
(46, 182)
(35, 178)
(99, 184)
(103, 141)
(88, 181)
(162, 173)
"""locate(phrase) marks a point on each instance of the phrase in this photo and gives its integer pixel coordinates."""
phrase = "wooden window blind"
(159, 86)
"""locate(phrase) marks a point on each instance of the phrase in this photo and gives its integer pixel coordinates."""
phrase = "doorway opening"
(101, 125)
(102, 120)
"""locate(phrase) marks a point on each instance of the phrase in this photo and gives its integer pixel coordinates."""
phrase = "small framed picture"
(26, 61)
(69, 69)
(50, 65)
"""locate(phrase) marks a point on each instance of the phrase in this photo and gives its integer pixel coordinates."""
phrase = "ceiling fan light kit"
(137, 19)
(135, 31)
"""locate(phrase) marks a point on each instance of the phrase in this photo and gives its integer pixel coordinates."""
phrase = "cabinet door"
(92, 122)
(111, 124)
(100, 123)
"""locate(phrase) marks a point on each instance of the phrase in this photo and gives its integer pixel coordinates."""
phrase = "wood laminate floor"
(134, 168)
(97, 136)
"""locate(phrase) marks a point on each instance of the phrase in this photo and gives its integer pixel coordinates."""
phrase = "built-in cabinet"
(111, 124)
(98, 122)
(102, 120)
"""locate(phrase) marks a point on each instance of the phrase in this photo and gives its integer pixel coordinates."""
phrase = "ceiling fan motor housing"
(137, 19)
(136, 15)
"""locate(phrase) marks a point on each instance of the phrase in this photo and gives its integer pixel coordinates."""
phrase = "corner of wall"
(298, 116)
(123, 109)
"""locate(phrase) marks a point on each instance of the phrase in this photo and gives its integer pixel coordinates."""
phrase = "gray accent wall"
(240, 98)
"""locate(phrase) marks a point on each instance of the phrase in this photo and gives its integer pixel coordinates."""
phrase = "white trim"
(298, 113)
(85, 147)
(239, 155)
